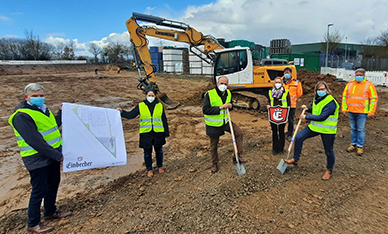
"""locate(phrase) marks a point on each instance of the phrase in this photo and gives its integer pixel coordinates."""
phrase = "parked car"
(347, 66)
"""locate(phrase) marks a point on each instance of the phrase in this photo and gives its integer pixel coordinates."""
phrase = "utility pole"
(327, 44)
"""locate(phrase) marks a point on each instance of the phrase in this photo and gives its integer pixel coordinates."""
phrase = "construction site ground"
(188, 198)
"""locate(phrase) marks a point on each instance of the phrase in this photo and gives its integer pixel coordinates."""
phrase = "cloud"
(56, 34)
(9, 36)
(4, 19)
(260, 21)
(300, 21)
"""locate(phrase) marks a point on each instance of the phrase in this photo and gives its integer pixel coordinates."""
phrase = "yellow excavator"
(248, 83)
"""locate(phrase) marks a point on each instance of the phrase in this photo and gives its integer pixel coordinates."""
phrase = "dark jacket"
(27, 128)
(328, 110)
(207, 109)
(147, 140)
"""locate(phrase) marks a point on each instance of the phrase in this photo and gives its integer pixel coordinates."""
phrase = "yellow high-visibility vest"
(215, 100)
(148, 122)
(283, 99)
(328, 126)
(47, 127)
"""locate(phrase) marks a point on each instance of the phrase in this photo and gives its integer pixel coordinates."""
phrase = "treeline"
(32, 48)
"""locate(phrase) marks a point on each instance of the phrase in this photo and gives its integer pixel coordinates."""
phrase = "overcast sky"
(300, 21)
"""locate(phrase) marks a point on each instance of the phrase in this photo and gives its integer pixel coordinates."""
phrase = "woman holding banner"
(278, 107)
(153, 129)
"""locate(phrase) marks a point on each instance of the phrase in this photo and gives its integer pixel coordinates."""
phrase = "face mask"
(321, 93)
(37, 101)
(150, 99)
(359, 78)
(278, 85)
(287, 75)
(222, 87)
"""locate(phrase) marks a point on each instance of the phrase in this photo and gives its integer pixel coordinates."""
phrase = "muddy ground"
(188, 198)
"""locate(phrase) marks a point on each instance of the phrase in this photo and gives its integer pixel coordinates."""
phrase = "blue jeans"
(45, 183)
(357, 124)
(328, 142)
(148, 157)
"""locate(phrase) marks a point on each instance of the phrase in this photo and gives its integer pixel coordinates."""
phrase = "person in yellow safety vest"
(153, 129)
(324, 121)
(215, 103)
(39, 139)
(278, 96)
(359, 101)
(295, 89)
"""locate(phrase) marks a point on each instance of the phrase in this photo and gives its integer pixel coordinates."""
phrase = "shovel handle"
(232, 132)
(293, 137)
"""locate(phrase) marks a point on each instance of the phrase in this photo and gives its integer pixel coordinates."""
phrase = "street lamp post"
(346, 47)
(327, 44)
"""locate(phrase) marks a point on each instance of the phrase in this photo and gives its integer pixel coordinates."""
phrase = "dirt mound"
(195, 98)
(310, 78)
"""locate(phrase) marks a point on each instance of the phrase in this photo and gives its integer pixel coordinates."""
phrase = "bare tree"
(95, 50)
(115, 53)
(383, 39)
(334, 40)
(34, 49)
(68, 53)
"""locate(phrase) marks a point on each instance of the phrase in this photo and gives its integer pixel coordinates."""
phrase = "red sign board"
(278, 115)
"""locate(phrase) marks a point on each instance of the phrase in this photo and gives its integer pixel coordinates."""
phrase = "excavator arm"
(179, 32)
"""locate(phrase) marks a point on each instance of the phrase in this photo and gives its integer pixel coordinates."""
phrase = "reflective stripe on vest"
(215, 100)
(46, 126)
(283, 99)
(357, 101)
(147, 123)
(328, 126)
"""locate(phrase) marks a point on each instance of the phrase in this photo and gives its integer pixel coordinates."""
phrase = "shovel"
(239, 166)
(283, 165)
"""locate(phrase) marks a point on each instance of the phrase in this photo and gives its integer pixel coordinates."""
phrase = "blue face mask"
(321, 93)
(287, 75)
(37, 101)
(359, 78)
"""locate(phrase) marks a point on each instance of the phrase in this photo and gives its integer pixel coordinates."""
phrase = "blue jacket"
(26, 126)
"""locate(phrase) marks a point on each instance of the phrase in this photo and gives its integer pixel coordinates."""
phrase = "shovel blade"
(282, 166)
(240, 168)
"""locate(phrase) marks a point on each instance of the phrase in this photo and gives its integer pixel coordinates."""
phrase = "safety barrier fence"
(379, 78)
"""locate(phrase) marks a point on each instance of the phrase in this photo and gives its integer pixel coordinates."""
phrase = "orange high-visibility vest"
(360, 97)
(294, 88)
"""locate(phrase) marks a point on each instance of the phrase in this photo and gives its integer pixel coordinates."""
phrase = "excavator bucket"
(170, 104)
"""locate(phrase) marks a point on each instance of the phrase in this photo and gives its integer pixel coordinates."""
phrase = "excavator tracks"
(249, 100)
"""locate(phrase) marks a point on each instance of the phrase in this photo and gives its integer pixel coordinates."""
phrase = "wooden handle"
(232, 132)
(295, 132)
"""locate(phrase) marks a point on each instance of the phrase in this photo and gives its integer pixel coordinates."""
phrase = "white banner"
(92, 137)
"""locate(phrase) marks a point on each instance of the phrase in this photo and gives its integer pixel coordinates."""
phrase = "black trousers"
(278, 137)
(45, 183)
(291, 116)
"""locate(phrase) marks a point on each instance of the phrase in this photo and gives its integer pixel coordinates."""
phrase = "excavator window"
(231, 61)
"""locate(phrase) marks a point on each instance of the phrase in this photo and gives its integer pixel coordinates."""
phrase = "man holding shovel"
(324, 121)
(215, 103)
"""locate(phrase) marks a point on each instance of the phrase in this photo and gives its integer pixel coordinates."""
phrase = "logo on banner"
(278, 114)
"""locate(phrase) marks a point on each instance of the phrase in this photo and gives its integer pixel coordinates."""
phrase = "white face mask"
(222, 87)
(278, 85)
(150, 99)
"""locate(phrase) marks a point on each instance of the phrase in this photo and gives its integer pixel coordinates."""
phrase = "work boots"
(40, 228)
(351, 148)
(360, 151)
